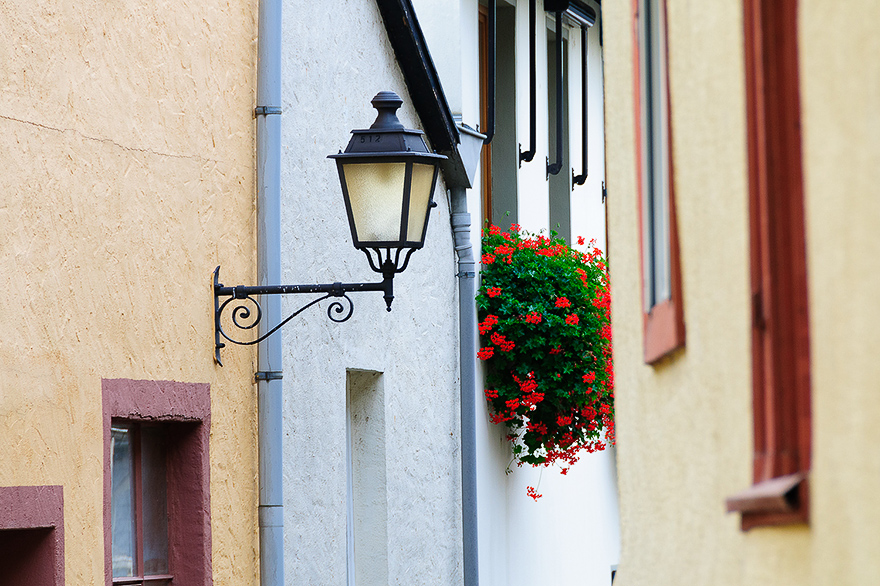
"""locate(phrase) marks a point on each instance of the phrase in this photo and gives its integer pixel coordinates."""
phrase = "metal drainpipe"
(268, 376)
(461, 231)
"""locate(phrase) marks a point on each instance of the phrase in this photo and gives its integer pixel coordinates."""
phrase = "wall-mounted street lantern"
(388, 177)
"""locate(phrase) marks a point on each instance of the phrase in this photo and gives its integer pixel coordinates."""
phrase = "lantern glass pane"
(420, 197)
(375, 191)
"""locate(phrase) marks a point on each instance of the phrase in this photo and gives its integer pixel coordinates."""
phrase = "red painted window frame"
(186, 409)
(24, 509)
(663, 323)
(780, 323)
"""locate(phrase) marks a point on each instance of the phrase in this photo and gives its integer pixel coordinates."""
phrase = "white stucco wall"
(447, 42)
(571, 535)
(587, 208)
(334, 62)
(533, 203)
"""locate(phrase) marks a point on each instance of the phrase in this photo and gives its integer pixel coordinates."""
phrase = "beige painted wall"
(684, 426)
(126, 142)
(840, 85)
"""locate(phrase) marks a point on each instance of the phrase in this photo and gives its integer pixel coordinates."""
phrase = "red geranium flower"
(533, 318)
(562, 302)
(486, 353)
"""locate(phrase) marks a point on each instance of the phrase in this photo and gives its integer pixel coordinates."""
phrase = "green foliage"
(545, 328)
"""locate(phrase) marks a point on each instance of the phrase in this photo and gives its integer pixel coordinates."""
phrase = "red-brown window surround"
(32, 535)
(663, 320)
(780, 329)
(186, 408)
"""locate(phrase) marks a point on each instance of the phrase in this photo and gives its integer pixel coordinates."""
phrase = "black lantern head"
(388, 177)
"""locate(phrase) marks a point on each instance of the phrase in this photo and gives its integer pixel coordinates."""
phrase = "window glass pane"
(662, 268)
(122, 504)
(646, 105)
(660, 218)
(155, 507)
(656, 155)
(560, 183)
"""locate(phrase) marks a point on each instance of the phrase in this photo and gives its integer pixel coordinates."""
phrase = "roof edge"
(423, 84)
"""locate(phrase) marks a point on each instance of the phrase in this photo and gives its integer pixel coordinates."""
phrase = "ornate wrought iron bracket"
(247, 313)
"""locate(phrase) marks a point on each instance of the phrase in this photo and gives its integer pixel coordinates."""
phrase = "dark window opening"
(500, 162)
(31, 536)
(559, 184)
(26, 557)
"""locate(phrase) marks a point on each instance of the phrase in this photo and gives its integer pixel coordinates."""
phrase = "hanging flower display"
(545, 329)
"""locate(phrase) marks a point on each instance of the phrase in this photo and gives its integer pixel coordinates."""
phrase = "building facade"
(570, 534)
(742, 244)
(375, 410)
(371, 443)
(128, 156)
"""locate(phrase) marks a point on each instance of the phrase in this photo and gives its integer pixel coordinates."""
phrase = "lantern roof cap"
(387, 136)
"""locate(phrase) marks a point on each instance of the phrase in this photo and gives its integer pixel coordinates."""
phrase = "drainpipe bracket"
(268, 375)
(266, 110)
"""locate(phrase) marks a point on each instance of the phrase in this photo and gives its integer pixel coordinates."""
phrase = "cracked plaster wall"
(126, 142)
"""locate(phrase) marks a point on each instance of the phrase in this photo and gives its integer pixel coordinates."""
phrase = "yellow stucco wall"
(685, 425)
(840, 93)
(126, 143)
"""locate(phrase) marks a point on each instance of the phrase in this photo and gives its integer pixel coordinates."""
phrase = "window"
(157, 522)
(780, 329)
(139, 504)
(500, 158)
(486, 153)
(31, 535)
(663, 313)
(559, 184)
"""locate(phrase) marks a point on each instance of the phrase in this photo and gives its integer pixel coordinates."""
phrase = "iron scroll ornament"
(247, 313)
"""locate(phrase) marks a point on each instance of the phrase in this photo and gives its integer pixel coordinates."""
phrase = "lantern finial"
(387, 104)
